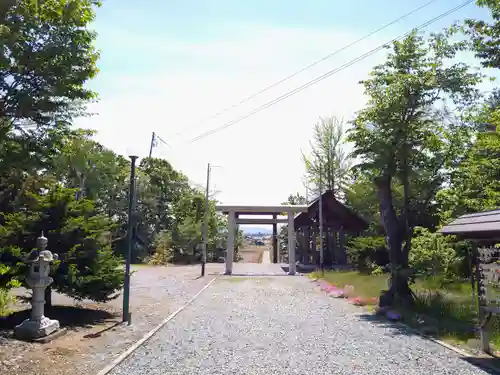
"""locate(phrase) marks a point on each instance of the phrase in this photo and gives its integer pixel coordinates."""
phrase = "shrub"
(7, 300)
(433, 254)
(164, 253)
(366, 253)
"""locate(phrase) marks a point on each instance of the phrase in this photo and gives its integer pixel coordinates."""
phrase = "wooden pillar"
(230, 243)
(314, 245)
(334, 246)
(275, 240)
(305, 250)
(291, 244)
(333, 249)
(342, 251)
(237, 231)
(328, 244)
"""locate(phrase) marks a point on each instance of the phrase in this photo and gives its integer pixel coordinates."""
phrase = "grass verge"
(442, 310)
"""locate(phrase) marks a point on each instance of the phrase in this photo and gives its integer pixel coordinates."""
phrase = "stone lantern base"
(32, 329)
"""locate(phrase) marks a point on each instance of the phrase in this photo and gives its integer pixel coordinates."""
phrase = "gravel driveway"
(284, 325)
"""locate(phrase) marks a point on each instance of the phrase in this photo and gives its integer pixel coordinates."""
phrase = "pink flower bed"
(359, 301)
(346, 292)
(336, 293)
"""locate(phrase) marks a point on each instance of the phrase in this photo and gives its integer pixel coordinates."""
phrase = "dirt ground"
(252, 253)
(95, 335)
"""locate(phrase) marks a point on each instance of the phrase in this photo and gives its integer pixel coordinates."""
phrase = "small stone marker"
(38, 325)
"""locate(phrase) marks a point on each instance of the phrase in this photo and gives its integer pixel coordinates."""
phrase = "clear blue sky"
(167, 64)
(206, 20)
(197, 19)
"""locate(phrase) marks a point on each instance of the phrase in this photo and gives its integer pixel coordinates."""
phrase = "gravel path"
(156, 292)
(266, 257)
(283, 325)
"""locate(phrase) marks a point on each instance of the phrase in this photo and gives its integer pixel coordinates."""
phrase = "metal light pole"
(205, 219)
(127, 317)
(205, 224)
(321, 253)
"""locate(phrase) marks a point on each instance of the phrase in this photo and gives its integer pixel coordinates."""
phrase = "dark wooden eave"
(335, 214)
(477, 226)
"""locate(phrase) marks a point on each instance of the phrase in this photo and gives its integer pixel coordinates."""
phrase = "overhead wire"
(342, 49)
(326, 75)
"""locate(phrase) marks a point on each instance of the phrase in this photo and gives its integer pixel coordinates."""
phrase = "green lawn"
(444, 310)
(364, 285)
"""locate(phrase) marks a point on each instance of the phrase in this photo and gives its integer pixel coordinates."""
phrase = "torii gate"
(233, 212)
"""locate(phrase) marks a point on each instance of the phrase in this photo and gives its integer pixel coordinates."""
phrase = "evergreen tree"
(87, 267)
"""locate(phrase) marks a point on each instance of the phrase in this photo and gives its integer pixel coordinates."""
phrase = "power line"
(154, 144)
(326, 75)
(310, 65)
(161, 140)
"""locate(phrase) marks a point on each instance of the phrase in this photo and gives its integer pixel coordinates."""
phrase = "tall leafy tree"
(165, 187)
(408, 134)
(475, 184)
(328, 163)
(46, 56)
(485, 36)
(95, 171)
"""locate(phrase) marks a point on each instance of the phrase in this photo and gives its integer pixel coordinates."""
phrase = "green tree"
(328, 163)
(165, 186)
(87, 267)
(485, 36)
(46, 56)
(95, 171)
(408, 134)
(475, 183)
(295, 199)
(22, 154)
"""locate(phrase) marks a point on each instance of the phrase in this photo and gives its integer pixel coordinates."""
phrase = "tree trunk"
(399, 290)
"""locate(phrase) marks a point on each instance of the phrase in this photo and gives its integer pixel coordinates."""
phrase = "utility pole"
(152, 144)
(321, 252)
(205, 224)
(126, 317)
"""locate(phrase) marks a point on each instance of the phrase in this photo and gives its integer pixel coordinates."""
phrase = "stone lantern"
(38, 325)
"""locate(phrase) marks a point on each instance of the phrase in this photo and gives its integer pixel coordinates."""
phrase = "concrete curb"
(106, 370)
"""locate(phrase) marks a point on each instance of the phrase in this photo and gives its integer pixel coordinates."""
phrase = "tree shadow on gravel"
(398, 330)
(68, 316)
(299, 269)
(490, 365)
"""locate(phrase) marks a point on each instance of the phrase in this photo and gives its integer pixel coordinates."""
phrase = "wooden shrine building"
(482, 229)
(338, 222)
